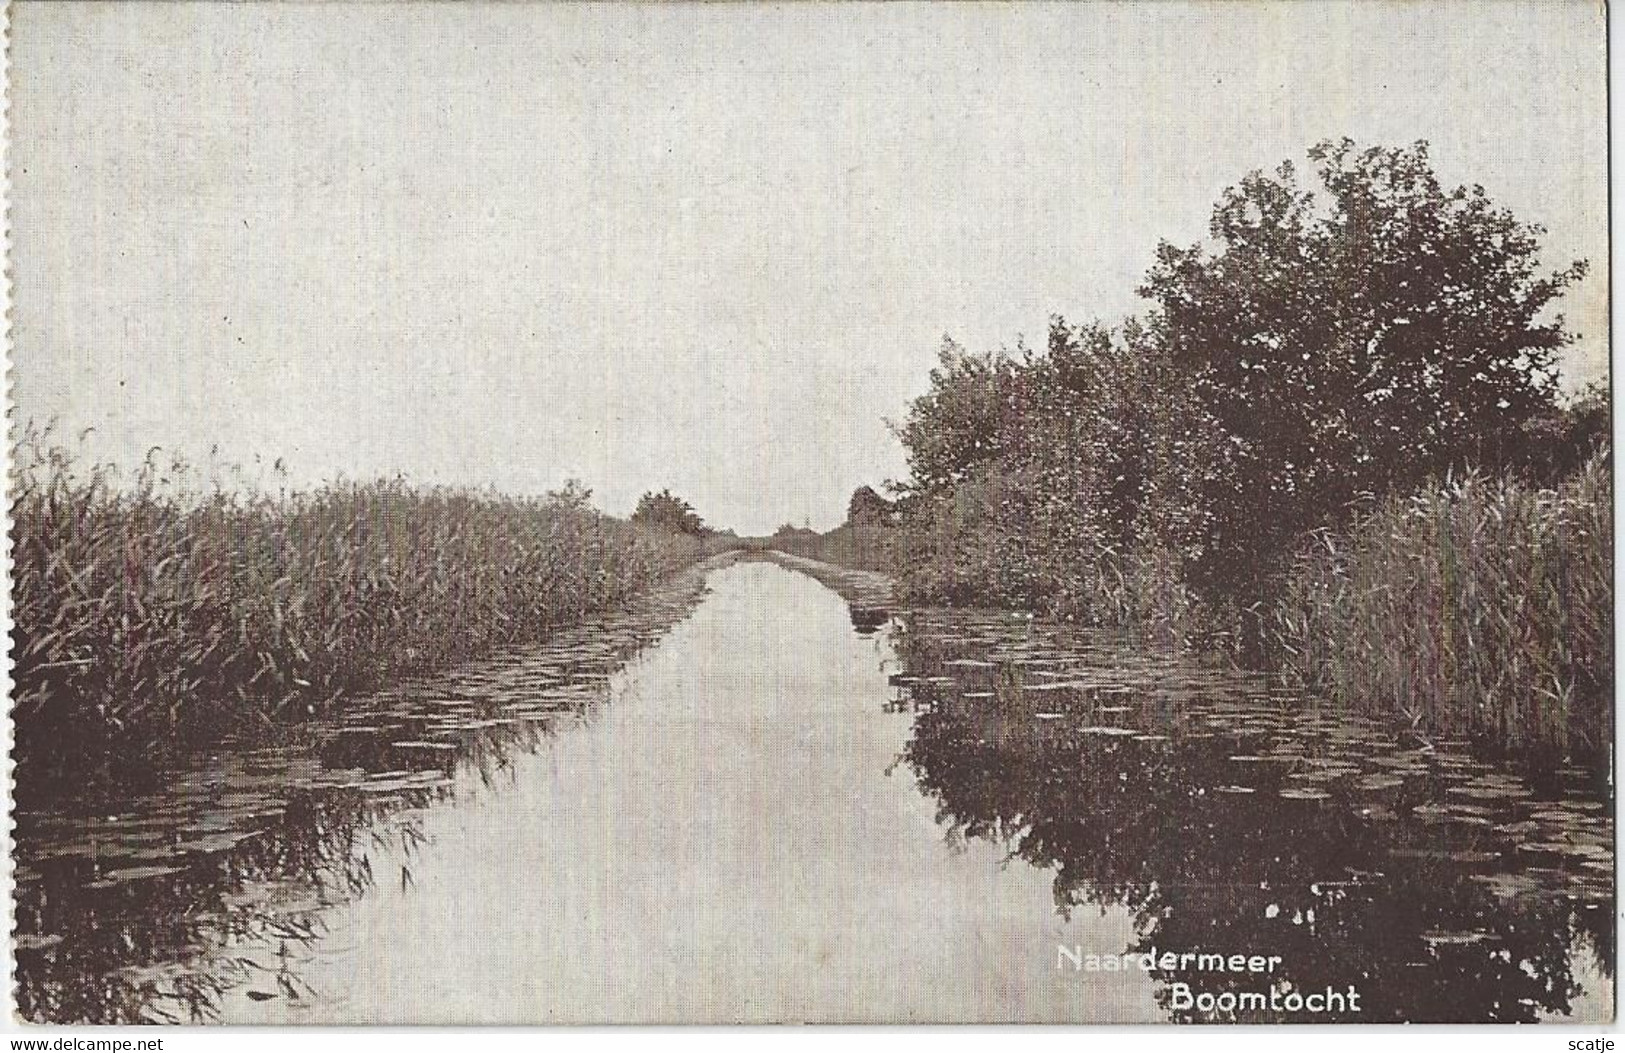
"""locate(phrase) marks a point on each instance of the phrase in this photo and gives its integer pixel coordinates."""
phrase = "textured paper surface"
(711, 249)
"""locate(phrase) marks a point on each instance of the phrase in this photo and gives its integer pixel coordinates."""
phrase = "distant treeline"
(864, 541)
(1335, 441)
(153, 616)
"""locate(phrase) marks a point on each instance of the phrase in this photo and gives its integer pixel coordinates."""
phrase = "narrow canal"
(747, 802)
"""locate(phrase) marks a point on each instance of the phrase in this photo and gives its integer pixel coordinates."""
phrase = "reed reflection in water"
(731, 838)
(762, 803)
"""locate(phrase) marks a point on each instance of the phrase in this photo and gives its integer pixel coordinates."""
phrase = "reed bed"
(152, 615)
(1482, 607)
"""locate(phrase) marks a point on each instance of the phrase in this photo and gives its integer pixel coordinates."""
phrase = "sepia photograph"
(540, 514)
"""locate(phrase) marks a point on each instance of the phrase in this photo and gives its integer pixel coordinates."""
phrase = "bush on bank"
(1326, 352)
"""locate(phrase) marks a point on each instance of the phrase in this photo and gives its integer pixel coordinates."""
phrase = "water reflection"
(732, 838)
(869, 620)
(154, 908)
(1230, 819)
(783, 813)
(101, 941)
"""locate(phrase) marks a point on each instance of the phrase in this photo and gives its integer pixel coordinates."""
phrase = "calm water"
(763, 803)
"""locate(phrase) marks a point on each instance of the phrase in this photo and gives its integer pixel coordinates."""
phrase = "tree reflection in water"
(1227, 817)
(1213, 824)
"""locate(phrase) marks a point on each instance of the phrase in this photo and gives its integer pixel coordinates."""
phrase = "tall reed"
(151, 615)
(1480, 607)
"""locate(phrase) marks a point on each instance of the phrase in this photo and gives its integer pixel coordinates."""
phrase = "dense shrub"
(668, 513)
(1068, 490)
(1348, 341)
(1327, 351)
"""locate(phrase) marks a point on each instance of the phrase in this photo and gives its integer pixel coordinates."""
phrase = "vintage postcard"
(530, 513)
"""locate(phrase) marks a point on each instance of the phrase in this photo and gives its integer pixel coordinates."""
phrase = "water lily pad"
(1440, 938)
(211, 844)
(1447, 855)
(1324, 775)
(128, 874)
(1563, 848)
(1488, 793)
(1508, 886)
(84, 848)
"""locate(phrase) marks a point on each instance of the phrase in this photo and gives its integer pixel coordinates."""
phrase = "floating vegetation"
(124, 874)
(1488, 793)
(1254, 742)
(252, 844)
(1225, 812)
(1446, 855)
(1456, 939)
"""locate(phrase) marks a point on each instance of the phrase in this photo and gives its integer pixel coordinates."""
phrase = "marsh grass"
(1480, 607)
(153, 613)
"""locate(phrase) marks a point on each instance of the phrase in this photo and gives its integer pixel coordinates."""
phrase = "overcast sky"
(703, 247)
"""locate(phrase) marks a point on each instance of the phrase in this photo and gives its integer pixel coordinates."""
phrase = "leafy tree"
(573, 495)
(1350, 340)
(962, 421)
(668, 512)
(1557, 443)
(1037, 474)
(868, 508)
